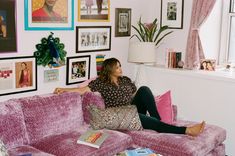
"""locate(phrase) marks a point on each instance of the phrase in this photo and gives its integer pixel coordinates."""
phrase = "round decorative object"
(181, 64)
(50, 52)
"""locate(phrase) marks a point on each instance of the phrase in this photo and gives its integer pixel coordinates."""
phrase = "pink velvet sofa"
(48, 125)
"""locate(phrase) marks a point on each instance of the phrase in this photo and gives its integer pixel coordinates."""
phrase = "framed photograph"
(8, 42)
(208, 64)
(17, 75)
(172, 12)
(122, 22)
(78, 69)
(94, 10)
(38, 16)
(93, 38)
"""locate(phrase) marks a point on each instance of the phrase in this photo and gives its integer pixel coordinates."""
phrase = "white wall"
(28, 39)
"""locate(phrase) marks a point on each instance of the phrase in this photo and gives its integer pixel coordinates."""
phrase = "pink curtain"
(194, 51)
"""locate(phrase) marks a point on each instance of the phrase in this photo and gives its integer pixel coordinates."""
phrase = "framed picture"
(208, 64)
(94, 10)
(172, 12)
(51, 75)
(59, 17)
(78, 69)
(122, 22)
(93, 38)
(8, 42)
(17, 75)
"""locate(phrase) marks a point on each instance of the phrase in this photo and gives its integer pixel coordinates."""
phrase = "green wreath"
(50, 52)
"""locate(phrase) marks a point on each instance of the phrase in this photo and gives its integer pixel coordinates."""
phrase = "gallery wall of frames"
(43, 49)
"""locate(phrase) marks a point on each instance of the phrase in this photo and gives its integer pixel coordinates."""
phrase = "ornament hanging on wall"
(50, 52)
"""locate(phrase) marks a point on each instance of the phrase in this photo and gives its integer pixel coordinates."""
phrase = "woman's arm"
(79, 90)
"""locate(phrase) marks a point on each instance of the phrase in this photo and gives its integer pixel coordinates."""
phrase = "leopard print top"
(112, 94)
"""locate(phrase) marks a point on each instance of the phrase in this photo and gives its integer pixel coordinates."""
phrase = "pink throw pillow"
(164, 107)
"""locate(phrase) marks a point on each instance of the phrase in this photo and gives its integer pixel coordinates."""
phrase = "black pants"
(144, 101)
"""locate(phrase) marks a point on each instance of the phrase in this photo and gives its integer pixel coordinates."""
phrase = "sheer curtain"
(194, 51)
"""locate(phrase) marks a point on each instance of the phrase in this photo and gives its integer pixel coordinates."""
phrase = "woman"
(46, 13)
(89, 4)
(118, 90)
(24, 76)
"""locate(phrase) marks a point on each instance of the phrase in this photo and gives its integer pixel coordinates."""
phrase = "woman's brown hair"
(107, 69)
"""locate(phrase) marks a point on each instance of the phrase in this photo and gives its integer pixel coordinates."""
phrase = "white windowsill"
(219, 74)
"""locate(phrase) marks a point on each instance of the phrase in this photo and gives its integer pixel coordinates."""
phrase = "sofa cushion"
(91, 98)
(12, 125)
(66, 144)
(20, 150)
(52, 114)
(118, 118)
(180, 145)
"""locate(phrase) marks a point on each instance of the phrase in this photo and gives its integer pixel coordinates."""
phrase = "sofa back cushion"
(52, 114)
(12, 126)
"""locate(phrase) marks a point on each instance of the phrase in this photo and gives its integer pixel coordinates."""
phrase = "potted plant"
(149, 32)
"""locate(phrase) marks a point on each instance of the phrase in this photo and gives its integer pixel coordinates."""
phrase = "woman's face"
(117, 70)
(23, 66)
(209, 66)
(50, 3)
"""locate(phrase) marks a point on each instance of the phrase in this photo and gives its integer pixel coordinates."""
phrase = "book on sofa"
(140, 152)
(93, 138)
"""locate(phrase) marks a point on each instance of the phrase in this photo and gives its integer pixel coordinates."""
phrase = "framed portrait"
(207, 64)
(94, 10)
(17, 75)
(93, 38)
(60, 16)
(8, 41)
(78, 69)
(122, 22)
(172, 12)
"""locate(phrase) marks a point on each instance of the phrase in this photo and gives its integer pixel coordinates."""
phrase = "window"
(228, 33)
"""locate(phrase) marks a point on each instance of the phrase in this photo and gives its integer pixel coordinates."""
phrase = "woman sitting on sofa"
(118, 90)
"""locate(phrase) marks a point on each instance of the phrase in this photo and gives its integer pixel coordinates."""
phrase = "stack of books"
(93, 138)
(173, 59)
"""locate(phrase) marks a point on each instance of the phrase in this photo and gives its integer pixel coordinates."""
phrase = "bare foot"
(195, 130)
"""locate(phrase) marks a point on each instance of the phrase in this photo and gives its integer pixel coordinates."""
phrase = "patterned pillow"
(3, 150)
(119, 118)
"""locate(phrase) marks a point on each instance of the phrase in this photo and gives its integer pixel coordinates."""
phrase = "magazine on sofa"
(93, 138)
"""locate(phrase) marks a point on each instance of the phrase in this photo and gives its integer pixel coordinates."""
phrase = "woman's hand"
(59, 90)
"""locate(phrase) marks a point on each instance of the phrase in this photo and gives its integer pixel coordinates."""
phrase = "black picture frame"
(8, 38)
(172, 13)
(122, 22)
(18, 75)
(93, 38)
(78, 69)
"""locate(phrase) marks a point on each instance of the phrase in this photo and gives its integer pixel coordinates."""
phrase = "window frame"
(227, 15)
